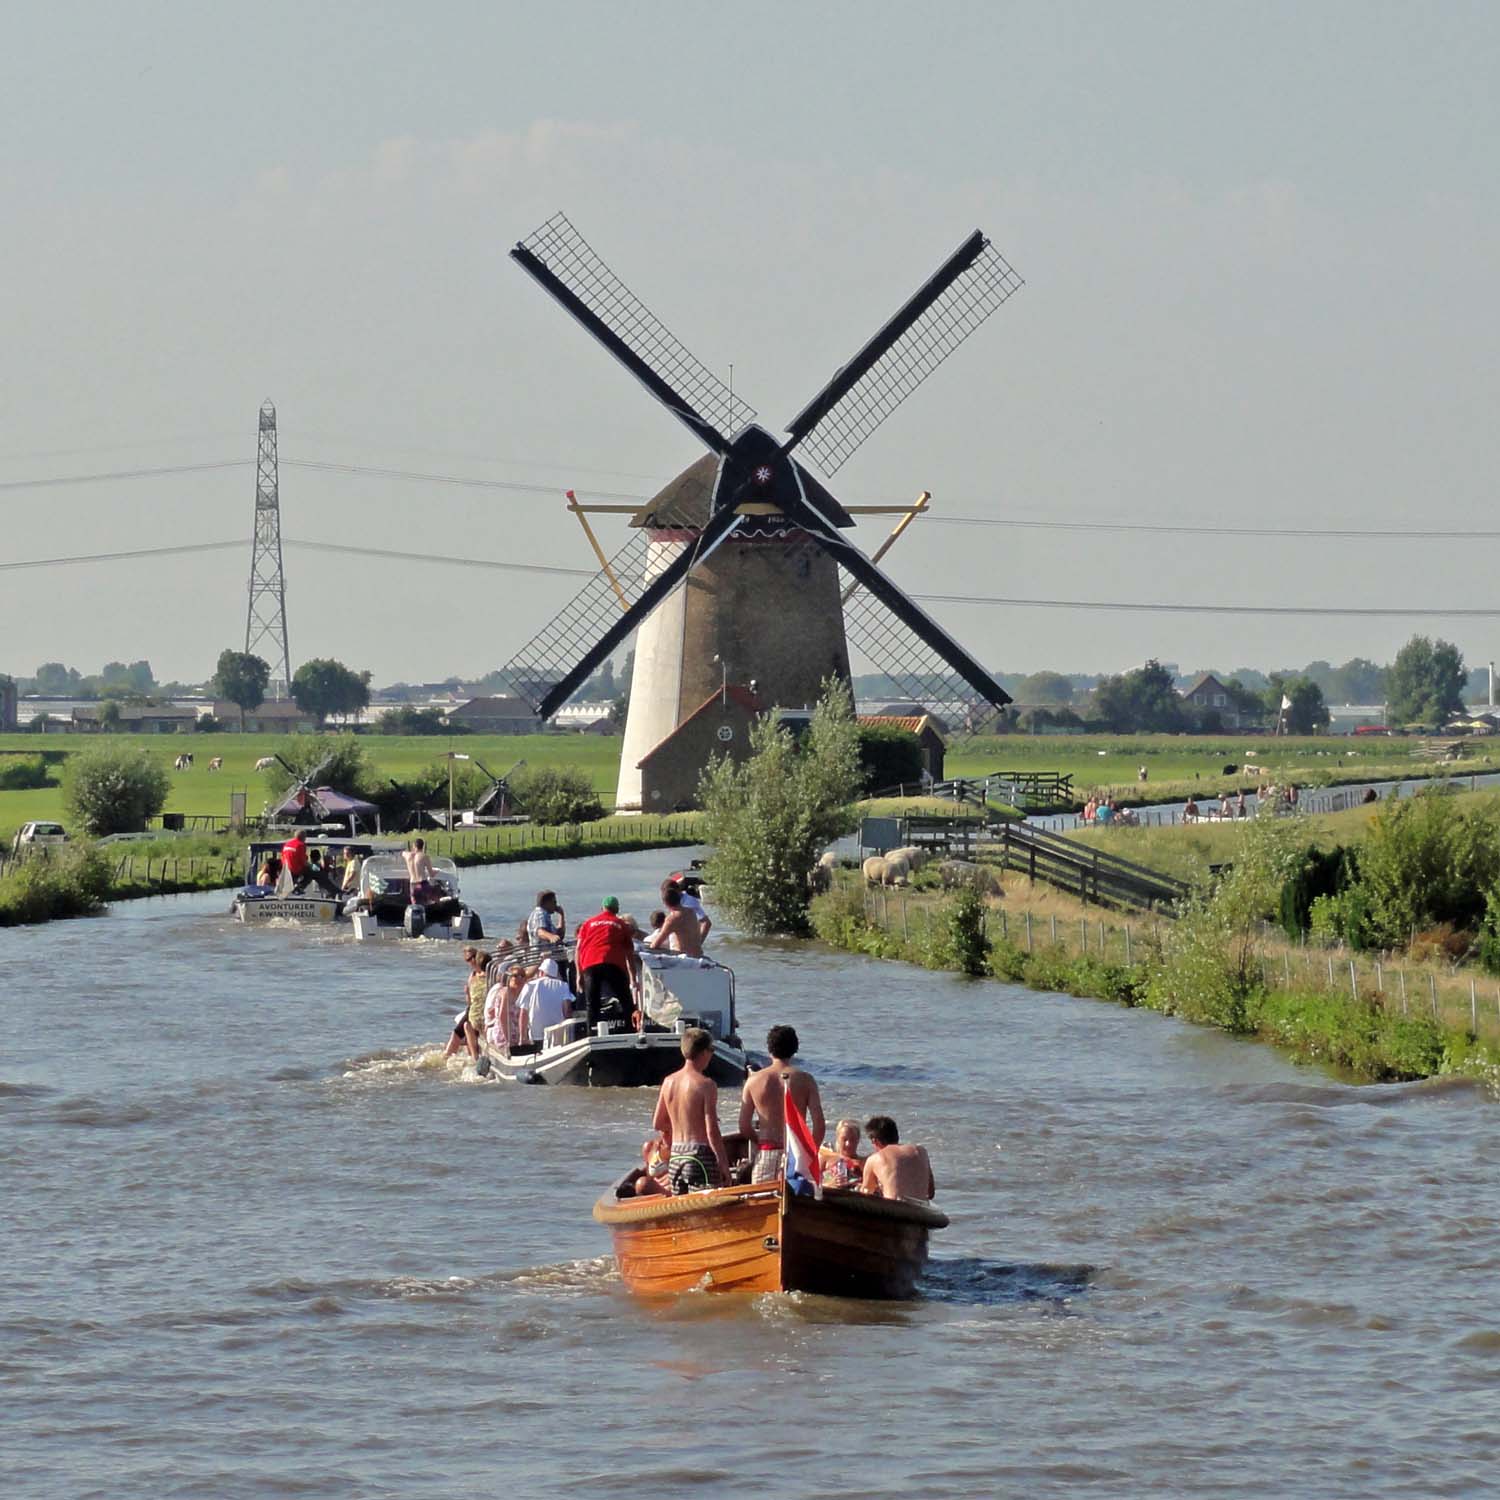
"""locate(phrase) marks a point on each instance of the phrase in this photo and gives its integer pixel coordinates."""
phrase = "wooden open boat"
(763, 1238)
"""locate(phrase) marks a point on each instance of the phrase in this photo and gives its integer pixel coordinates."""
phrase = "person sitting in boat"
(1190, 812)
(353, 864)
(545, 1001)
(319, 873)
(688, 885)
(893, 1170)
(605, 959)
(687, 1118)
(680, 931)
(270, 870)
(842, 1164)
(656, 1155)
(501, 1017)
(547, 925)
(763, 1104)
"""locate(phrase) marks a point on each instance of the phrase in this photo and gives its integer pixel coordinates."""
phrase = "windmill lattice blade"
(545, 659)
(880, 643)
(967, 288)
(632, 332)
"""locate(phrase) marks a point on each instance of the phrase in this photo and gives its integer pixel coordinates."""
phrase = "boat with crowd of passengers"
(255, 903)
(671, 993)
(763, 1237)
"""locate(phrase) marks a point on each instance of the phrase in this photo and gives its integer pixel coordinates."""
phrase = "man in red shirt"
(605, 957)
(294, 862)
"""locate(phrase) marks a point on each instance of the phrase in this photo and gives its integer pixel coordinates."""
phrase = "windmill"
(495, 801)
(301, 801)
(740, 565)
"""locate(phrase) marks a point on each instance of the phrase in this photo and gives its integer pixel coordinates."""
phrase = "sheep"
(265, 763)
(820, 877)
(886, 870)
(217, 763)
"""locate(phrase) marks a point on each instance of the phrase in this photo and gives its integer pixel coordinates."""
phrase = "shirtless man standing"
(418, 863)
(894, 1170)
(680, 931)
(687, 1119)
(763, 1102)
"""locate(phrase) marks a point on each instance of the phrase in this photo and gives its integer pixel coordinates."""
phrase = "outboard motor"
(414, 921)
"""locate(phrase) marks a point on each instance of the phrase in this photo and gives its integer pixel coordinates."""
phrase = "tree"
(1425, 683)
(1246, 701)
(1359, 680)
(1145, 700)
(1045, 687)
(109, 715)
(140, 677)
(242, 678)
(54, 677)
(113, 788)
(769, 817)
(1307, 712)
(323, 686)
(409, 720)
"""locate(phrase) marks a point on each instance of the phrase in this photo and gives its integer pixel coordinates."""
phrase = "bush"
(23, 773)
(72, 881)
(553, 796)
(113, 789)
(958, 940)
(409, 720)
(888, 757)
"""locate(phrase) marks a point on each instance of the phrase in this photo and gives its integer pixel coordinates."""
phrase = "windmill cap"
(610, 903)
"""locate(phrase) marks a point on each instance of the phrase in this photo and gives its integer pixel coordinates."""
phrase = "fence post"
(1028, 932)
(1353, 985)
(1330, 971)
(1004, 925)
(905, 930)
(1432, 992)
(1379, 977)
(1401, 975)
(1127, 945)
(1473, 1008)
(1083, 934)
(1286, 969)
(1054, 929)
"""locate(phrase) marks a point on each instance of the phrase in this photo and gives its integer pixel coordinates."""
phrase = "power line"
(61, 479)
(458, 479)
(391, 554)
(1185, 529)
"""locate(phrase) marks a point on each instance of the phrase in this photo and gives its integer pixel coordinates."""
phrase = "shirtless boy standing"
(687, 1117)
(763, 1103)
(680, 931)
(894, 1170)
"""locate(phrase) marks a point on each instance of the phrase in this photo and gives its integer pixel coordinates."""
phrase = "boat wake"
(393, 1068)
(970, 1281)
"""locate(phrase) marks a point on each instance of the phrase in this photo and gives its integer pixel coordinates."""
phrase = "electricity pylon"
(265, 625)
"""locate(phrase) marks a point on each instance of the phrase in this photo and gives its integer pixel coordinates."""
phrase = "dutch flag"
(804, 1174)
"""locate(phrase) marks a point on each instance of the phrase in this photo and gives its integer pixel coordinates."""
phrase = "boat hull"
(623, 1060)
(311, 909)
(761, 1238)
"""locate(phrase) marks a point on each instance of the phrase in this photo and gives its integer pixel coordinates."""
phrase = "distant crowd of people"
(687, 1152)
(519, 988)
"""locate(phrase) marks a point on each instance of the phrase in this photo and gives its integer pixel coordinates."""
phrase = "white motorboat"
(256, 904)
(387, 907)
(674, 992)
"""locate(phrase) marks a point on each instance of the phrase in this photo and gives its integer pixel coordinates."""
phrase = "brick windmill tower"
(739, 571)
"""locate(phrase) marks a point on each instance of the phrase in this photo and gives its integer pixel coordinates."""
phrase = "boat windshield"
(385, 874)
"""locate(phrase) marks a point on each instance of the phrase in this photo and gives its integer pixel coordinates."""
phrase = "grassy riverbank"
(80, 880)
(1175, 764)
(1366, 1026)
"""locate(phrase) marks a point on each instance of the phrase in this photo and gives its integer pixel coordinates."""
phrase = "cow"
(217, 763)
(265, 763)
(184, 762)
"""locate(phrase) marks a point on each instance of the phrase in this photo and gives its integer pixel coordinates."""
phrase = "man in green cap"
(605, 956)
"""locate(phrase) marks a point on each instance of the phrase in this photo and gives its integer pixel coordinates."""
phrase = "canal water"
(259, 1240)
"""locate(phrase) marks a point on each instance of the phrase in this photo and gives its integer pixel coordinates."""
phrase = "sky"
(1259, 245)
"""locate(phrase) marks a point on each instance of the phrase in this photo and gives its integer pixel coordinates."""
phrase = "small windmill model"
(301, 803)
(740, 566)
(495, 801)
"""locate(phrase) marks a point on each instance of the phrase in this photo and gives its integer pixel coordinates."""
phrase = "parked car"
(37, 835)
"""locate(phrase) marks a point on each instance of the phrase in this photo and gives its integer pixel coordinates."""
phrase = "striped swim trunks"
(692, 1167)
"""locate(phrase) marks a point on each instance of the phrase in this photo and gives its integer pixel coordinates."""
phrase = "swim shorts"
(693, 1166)
(769, 1165)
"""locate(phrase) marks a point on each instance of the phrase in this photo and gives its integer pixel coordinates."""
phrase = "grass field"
(1096, 762)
